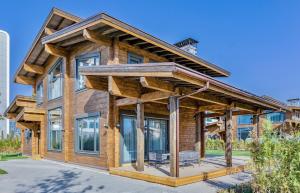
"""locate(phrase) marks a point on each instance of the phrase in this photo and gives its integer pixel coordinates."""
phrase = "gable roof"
(55, 21)
(112, 27)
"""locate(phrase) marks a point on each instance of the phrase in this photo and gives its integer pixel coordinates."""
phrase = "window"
(88, 134)
(134, 59)
(276, 117)
(55, 81)
(245, 119)
(86, 60)
(39, 93)
(55, 129)
(244, 133)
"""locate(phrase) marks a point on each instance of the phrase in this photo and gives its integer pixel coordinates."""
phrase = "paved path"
(30, 176)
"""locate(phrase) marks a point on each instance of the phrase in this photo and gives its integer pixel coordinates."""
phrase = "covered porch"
(27, 116)
(185, 94)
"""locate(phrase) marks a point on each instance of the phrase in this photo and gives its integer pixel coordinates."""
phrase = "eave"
(109, 27)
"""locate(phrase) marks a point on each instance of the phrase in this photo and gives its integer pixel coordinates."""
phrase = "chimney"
(188, 45)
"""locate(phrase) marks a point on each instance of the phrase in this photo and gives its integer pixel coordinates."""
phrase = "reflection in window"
(135, 59)
(245, 119)
(88, 134)
(86, 60)
(277, 117)
(55, 129)
(39, 93)
(55, 81)
(244, 133)
(27, 135)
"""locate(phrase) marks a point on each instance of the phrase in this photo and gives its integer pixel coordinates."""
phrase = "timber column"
(174, 132)
(140, 136)
(256, 125)
(228, 138)
(200, 134)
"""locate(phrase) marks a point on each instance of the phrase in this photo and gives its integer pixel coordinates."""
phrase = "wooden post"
(174, 142)
(202, 135)
(228, 146)
(256, 125)
(42, 138)
(67, 109)
(22, 139)
(140, 136)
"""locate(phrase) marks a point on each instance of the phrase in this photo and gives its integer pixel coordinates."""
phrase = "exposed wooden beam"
(94, 37)
(119, 87)
(214, 107)
(33, 68)
(49, 31)
(94, 82)
(55, 51)
(156, 84)
(174, 142)
(107, 32)
(25, 80)
(24, 125)
(154, 96)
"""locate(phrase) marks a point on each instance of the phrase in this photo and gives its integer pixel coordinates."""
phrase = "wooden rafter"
(25, 80)
(55, 51)
(94, 37)
(49, 31)
(96, 83)
(155, 84)
(118, 87)
(33, 68)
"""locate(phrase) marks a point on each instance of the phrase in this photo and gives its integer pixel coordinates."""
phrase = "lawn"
(221, 153)
(10, 156)
(2, 172)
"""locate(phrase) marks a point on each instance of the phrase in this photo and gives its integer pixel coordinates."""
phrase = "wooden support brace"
(93, 82)
(118, 87)
(155, 84)
(25, 80)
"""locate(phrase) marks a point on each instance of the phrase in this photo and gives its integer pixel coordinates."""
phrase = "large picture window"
(88, 134)
(55, 81)
(85, 60)
(55, 129)
(134, 59)
(276, 117)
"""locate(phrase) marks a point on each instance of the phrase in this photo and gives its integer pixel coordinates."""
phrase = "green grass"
(221, 153)
(11, 156)
(2, 172)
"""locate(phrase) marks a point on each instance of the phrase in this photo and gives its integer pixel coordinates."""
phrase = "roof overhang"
(171, 76)
(36, 57)
(103, 25)
(23, 109)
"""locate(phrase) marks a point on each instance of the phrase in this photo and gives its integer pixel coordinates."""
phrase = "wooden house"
(105, 93)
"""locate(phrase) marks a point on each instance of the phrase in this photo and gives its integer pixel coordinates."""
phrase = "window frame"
(81, 57)
(133, 55)
(97, 117)
(49, 142)
(59, 62)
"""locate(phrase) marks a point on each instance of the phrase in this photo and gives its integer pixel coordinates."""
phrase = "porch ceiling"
(174, 78)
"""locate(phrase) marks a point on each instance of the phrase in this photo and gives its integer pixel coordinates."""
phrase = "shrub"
(10, 145)
(218, 144)
(275, 162)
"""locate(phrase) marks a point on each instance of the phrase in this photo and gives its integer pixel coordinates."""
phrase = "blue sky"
(257, 41)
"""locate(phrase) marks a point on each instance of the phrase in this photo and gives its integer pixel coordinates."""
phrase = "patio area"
(209, 168)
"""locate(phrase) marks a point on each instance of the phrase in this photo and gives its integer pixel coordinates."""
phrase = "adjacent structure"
(107, 94)
(4, 81)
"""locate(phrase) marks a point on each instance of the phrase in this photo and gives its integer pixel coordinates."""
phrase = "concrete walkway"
(30, 176)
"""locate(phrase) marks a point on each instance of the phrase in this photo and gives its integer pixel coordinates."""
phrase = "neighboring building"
(13, 130)
(106, 94)
(4, 81)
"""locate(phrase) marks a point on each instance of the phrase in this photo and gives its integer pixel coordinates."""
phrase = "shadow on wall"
(64, 182)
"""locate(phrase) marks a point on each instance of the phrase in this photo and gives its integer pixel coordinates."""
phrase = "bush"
(218, 144)
(276, 162)
(10, 145)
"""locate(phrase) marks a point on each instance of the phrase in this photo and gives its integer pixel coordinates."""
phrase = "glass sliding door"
(156, 137)
(128, 139)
